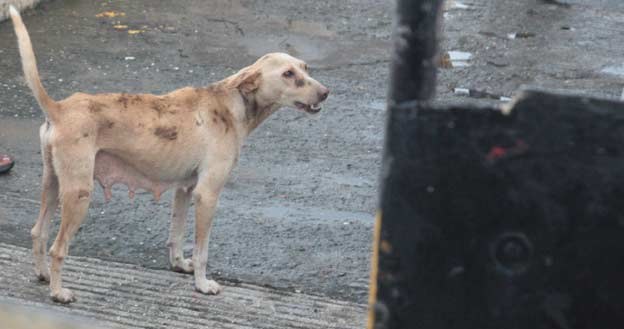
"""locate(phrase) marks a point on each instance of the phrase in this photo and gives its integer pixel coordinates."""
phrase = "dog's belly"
(110, 170)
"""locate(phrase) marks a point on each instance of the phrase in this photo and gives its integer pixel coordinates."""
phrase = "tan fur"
(29, 63)
(188, 140)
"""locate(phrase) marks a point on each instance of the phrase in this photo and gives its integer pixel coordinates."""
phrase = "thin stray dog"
(189, 139)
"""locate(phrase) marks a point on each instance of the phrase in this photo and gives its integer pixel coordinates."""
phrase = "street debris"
(497, 62)
(474, 93)
(520, 35)
(460, 5)
(453, 4)
(462, 91)
(111, 14)
(459, 58)
(117, 25)
(445, 61)
(563, 4)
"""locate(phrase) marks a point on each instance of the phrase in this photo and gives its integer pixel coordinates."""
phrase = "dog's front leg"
(206, 195)
(176, 232)
(205, 204)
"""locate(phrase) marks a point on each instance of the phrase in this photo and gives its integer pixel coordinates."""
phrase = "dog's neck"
(256, 110)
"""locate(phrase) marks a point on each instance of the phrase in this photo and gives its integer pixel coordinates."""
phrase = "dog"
(188, 140)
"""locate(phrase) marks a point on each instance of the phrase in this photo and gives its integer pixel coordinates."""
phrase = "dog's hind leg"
(49, 203)
(176, 232)
(75, 173)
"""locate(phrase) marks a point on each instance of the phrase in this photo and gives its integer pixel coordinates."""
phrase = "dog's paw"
(183, 266)
(64, 296)
(43, 276)
(208, 287)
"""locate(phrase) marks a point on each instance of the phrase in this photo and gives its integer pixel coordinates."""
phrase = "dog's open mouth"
(314, 108)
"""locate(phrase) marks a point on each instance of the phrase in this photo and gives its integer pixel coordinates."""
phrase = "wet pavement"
(298, 211)
(571, 48)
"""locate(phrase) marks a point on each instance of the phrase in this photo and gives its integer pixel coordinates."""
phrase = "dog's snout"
(323, 93)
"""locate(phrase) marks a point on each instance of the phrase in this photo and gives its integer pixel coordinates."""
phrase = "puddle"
(617, 70)
(302, 39)
(310, 28)
(296, 45)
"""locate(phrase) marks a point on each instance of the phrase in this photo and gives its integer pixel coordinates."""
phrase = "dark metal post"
(495, 219)
(415, 51)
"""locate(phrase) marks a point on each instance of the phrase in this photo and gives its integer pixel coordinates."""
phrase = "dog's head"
(282, 80)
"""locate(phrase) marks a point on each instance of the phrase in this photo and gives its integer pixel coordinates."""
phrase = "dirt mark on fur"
(125, 99)
(170, 133)
(224, 117)
(83, 194)
(96, 107)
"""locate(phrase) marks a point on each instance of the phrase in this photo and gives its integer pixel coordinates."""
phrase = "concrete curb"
(128, 296)
(19, 4)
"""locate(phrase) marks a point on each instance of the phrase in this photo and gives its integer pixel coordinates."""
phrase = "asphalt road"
(298, 211)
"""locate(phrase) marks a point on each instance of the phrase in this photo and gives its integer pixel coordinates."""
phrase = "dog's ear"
(248, 81)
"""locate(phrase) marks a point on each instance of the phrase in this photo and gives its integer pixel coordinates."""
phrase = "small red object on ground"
(6, 163)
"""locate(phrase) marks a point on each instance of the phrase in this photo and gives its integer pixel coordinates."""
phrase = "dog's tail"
(29, 63)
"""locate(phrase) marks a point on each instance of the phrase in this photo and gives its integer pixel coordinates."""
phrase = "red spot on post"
(499, 152)
(496, 152)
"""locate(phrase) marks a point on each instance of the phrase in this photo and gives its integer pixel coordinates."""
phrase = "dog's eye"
(306, 68)
(288, 74)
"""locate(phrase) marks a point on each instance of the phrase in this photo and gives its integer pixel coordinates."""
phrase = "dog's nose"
(323, 94)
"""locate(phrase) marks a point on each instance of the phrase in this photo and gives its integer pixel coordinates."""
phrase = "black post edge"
(413, 80)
